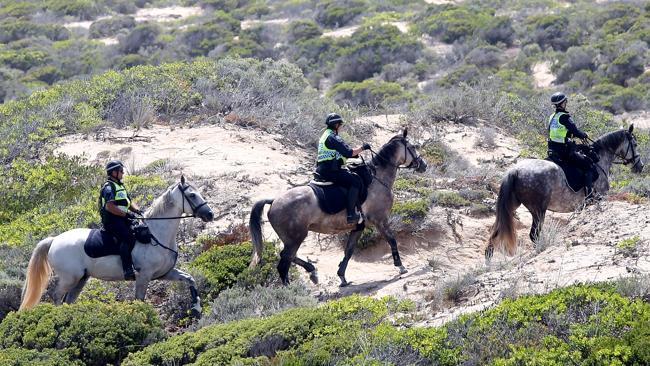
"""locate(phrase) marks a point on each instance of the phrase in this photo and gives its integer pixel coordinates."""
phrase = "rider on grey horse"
(332, 154)
(560, 129)
(117, 212)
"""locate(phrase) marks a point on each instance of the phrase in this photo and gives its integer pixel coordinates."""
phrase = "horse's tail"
(503, 235)
(255, 227)
(38, 275)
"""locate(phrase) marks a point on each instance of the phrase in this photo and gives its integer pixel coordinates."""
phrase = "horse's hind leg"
(64, 284)
(536, 228)
(349, 250)
(73, 294)
(313, 274)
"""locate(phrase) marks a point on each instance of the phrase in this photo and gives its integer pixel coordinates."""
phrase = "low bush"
(84, 9)
(449, 199)
(300, 30)
(93, 332)
(239, 303)
(140, 37)
(225, 266)
(370, 93)
(338, 13)
(14, 30)
(110, 26)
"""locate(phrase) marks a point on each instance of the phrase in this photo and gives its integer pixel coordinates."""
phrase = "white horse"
(65, 256)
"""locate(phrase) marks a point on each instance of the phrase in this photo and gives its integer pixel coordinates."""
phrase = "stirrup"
(355, 218)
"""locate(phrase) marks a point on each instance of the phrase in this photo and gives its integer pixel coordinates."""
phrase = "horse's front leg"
(178, 275)
(349, 250)
(141, 283)
(387, 233)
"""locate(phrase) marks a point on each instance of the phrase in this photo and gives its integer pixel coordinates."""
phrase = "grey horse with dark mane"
(296, 212)
(541, 185)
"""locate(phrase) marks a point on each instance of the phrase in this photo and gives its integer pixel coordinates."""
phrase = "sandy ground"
(542, 74)
(640, 119)
(149, 14)
(245, 165)
(348, 31)
(249, 23)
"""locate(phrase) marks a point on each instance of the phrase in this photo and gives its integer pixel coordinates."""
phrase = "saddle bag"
(141, 232)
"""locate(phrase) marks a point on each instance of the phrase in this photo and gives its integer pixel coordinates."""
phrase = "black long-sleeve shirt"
(335, 142)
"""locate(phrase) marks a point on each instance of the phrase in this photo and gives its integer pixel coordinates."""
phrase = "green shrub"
(24, 59)
(372, 47)
(554, 31)
(22, 356)
(225, 266)
(412, 210)
(84, 9)
(300, 30)
(321, 333)
(449, 199)
(140, 37)
(485, 56)
(239, 303)
(46, 74)
(17, 10)
(453, 23)
(13, 30)
(338, 13)
(369, 93)
(93, 332)
(110, 26)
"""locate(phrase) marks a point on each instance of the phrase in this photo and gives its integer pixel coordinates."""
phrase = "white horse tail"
(38, 275)
(255, 227)
(503, 235)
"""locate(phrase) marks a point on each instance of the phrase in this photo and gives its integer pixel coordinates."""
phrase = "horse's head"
(629, 151)
(411, 157)
(191, 201)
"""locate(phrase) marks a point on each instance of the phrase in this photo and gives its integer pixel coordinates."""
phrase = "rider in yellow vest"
(560, 147)
(117, 212)
(332, 154)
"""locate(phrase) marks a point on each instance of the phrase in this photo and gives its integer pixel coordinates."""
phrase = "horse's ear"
(631, 128)
(405, 132)
(182, 179)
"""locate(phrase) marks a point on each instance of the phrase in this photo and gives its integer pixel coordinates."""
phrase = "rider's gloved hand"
(130, 215)
(139, 212)
(366, 146)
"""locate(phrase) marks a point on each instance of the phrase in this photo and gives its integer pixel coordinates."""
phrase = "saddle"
(332, 199)
(101, 243)
(575, 174)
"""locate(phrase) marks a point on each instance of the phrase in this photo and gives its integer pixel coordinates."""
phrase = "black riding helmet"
(557, 98)
(113, 165)
(333, 119)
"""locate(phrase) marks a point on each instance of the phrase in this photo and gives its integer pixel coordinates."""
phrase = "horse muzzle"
(205, 213)
(638, 166)
(422, 165)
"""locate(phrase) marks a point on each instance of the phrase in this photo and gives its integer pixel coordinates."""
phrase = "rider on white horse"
(117, 212)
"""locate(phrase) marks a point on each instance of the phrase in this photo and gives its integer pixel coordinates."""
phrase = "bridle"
(636, 158)
(185, 198)
(415, 158)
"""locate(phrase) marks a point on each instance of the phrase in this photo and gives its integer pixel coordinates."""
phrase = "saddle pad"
(575, 177)
(100, 244)
(331, 199)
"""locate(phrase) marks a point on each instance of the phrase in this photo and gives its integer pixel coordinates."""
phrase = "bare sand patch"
(542, 74)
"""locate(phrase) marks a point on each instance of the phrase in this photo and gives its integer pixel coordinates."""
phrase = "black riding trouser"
(347, 179)
(577, 159)
(121, 229)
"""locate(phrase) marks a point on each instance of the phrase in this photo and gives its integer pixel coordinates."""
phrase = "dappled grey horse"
(296, 212)
(540, 185)
(65, 256)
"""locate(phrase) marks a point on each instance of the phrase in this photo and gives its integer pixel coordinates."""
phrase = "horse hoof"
(196, 311)
(343, 282)
(313, 276)
(402, 270)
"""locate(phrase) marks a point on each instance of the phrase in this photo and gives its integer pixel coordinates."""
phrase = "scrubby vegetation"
(240, 62)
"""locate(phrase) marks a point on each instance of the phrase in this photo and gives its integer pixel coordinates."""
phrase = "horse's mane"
(386, 153)
(161, 204)
(610, 140)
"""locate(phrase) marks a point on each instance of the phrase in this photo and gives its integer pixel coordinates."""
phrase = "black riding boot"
(127, 261)
(353, 196)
